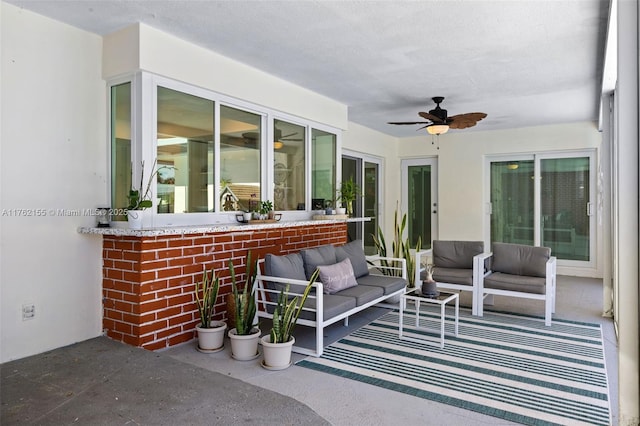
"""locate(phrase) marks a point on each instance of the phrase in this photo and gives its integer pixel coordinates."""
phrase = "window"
(240, 145)
(120, 146)
(212, 154)
(289, 166)
(184, 153)
(323, 166)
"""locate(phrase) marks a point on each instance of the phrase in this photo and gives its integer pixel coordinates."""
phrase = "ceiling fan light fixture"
(278, 144)
(437, 129)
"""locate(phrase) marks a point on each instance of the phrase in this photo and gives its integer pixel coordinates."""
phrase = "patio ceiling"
(524, 63)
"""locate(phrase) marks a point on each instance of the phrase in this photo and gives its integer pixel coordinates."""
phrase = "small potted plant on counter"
(266, 210)
(277, 345)
(210, 332)
(348, 193)
(246, 334)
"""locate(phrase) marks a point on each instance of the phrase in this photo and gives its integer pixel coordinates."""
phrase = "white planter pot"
(341, 210)
(134, 217)
(211, 339)
(244, 348)
(277, 356)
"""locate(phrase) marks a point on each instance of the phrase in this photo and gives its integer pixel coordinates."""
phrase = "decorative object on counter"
(266, 209)
(246, 334)
(103, 217)
(277, 345)
(140, 197)
(349, 191)
(210, 332)
(429, 286)
(400, 247)
(328, 208)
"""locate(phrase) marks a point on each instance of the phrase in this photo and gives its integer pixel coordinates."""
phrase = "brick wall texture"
(148, 282)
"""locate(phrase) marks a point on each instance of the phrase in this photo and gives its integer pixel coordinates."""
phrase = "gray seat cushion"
(317, 256)
(523, 284)
(355, 253)
(362, 293)
(453, 276)
(455, 254)
(518, 259)
(333, 305)
(389, 284)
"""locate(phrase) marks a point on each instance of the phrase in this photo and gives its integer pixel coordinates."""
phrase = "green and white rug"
(503, 365)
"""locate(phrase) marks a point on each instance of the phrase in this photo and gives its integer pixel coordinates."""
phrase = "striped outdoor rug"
(503, 365)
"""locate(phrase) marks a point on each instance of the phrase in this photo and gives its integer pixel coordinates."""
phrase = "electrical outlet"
(28, 312)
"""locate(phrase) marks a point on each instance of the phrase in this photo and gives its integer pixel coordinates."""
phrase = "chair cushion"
(314, 257)
(354, 252)
(389, 284)
(518, 259)
(524, 284)
(453, 275)
(362, 293)
(337, 277)
(456, 254)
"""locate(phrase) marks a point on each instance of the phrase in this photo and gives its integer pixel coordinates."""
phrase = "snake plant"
(287, 312)
(206, 296)
(245, 300)
(399, 249)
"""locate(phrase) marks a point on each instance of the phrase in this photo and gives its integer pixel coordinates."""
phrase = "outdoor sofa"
(349, 282)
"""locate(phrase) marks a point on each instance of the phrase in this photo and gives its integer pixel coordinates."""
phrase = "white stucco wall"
(53, 155)
(141, 47)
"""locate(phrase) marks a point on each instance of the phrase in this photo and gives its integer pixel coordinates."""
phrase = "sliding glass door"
(545, 200)
(365, 171)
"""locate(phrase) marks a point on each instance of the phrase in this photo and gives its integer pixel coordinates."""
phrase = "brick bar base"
(148, 282)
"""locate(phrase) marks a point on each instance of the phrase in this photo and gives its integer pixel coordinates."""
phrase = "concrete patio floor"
(105, 382)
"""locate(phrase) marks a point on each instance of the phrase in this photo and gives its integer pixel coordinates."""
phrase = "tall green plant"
(246, 299)
(287, 312)
(400, 248)
(206, 296)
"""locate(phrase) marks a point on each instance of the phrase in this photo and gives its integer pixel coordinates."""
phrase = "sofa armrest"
(389, 265)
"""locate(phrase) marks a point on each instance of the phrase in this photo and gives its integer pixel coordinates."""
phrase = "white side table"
(442, 299)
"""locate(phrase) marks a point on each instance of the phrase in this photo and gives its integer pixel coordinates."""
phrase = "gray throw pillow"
(354, 252)
(337, 277)
(314, 257)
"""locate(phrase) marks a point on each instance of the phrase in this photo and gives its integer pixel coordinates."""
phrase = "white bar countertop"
(203, 229)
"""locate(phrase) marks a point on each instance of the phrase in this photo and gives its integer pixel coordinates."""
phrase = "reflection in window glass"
(512, 196)
(323, 168)
(120, 146)
(240, 136)
(185, 152)
(289, 166)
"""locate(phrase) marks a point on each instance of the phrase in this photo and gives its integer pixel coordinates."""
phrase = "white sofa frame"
(549, 296)
(263, 299)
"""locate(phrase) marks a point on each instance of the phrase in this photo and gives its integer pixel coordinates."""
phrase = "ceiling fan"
(438, 123)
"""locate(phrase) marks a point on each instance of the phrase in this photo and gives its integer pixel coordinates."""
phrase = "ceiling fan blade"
(430, 117)
(462, 121)
(407, 122)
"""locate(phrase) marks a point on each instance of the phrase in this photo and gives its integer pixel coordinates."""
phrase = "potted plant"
(278, 344)
(245, 335)
(210, 332)
(266, 210)
(348, 193)
(140, 197)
